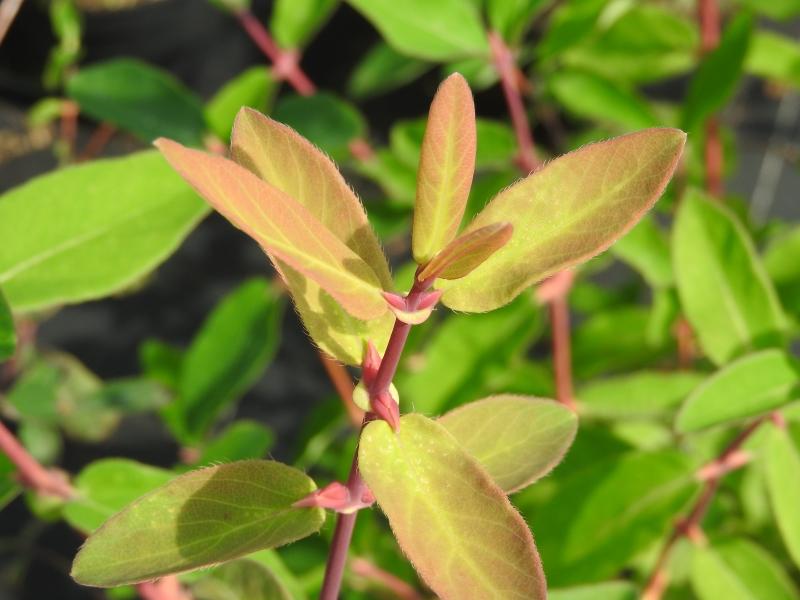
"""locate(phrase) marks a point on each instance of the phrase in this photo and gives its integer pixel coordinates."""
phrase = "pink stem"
(32, 474)
(709, 21)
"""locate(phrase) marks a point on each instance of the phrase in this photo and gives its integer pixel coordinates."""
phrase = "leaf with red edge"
(467, 252)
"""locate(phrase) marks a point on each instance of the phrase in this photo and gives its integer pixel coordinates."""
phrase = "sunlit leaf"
(293, 22)
(446, 165)
(566, 212)
(201, 518)
(724, 290)
(383, 69)
(780, 257)
(782, 461)
(240, 579)
(281, 157)
(751, 385)
(254, 88)
(776, 9)
(475, 543)
(107, 486)
(139, 98)
(442, 30)
(64, 242)
(517, 439)
(8, 333)
(612, 590)
(239, 441)
(283, 227)
(465, 253)
(646, 249)
(511, 18)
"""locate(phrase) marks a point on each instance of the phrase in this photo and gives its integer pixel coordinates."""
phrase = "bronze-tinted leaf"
(465, 253)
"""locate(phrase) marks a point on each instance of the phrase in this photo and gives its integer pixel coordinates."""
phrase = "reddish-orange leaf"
(466, 252)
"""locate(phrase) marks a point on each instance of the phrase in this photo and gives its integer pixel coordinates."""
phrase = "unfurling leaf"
(446, 166)
(749, 386)
(198, 519)
(454, 523)
(465, 253)
(782, 460)
(568, 211)
(287, 161)
(283, 227)
(517, 439)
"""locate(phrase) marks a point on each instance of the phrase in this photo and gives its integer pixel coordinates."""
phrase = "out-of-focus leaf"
(132, 395)
(240, 579)
(247, 325)
(737, 569)
(438, 31)
(646, 249)
(273, 561)
(106, 486)
(201, 518)
(775, 57)
(139, 98)
(718, 74)
(293, 22)
(242, 440)
(64, 242)
(636, 395)
(613, 590)
(511, 18)
(396, 178)
(33, 395)
(285, 160)
(282, 226)
(782, 461)
(254, 88)
(566, 212)
(446, 166)
(776, 9)
(161, 362)
(594, 97)
(570, 23)
(326, 120)
(475, 544)
(517, 439)
(465, 253)
(480, 73)
(41, 440)
(751, 385)
(724, 290)
(9, 485)
(383, 69)
(8, 333)
(780, 258)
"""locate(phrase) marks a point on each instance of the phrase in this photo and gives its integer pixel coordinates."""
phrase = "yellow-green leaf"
(517, 439)
(465, 253)
(242, 579)
(446, 166)
(452, 521)
(566, 212)
(283, 227)
(782, 460)
(198, 519)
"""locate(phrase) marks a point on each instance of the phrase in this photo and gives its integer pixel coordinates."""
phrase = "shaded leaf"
(751, 385)
(293, 22)
(511, 18)
(782, 462)
(282, 226)
(240, 579)
(723, 288)
(239, 441)
(254, 87)
(780, 258)
(446, 166)
(775, 57)
(475, 544)
(612, 590)
(383, 69)
(131, 395)
(566, 212)
(646, 249)
(201, 518)
(41, 440)
(161, 362)
(139, 98)
(8, 333)
(64, 242)
(777, 9)
(517, 439)
(465, 253)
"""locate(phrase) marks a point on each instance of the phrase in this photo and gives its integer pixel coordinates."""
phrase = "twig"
(689, 526)
(401, 589)
(8, 12)
(97, 142)
(69, 126)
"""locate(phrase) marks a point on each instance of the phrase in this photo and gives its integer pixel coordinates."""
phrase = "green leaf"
(511, 18)
(247, 325)
(326, 120)
(64, 242)
(517, 439)
(383, 69)
(132, 395)
(780, 257)
(254, 87)
(241, 579)
(718, 74)
(751, 385)
(566, 212)
(612, 590)
(723, 288)
(636, 395)
(475, 544)
(282, 226)
(8, 333)
(239, 441)
(9, 484)
(41, 440)
(161, 362)
(33, 395)
(594, 97)
(438, 31)
(282, 158)
(140, 99)
(106, 486)
(776, 9)
(738, 569)
(775, 57)
(646, 249)
(201, 518)
(293, 22)
(782, 462)
(465, 253)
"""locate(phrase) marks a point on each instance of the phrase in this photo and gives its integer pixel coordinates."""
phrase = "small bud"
(367, 497)
(370, 363)
(385, 406)
(429, 299)
(335, 496)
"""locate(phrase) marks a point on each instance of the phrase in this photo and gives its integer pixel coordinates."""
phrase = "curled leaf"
(465, 253)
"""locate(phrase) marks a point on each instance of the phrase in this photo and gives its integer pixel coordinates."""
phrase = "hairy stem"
(345, 523)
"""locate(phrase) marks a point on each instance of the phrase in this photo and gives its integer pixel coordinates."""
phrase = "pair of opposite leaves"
(290, 197)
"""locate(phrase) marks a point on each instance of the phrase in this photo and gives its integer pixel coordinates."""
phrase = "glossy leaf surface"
(571, 209)
(782, 461)
(201, 518)
(465, 253)
(475, 544)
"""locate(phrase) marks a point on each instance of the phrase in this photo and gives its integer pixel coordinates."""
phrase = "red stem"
(98, 141)
(343, 533)
(709, 22)
(562, 350)
(285, 62)
(32, 474)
